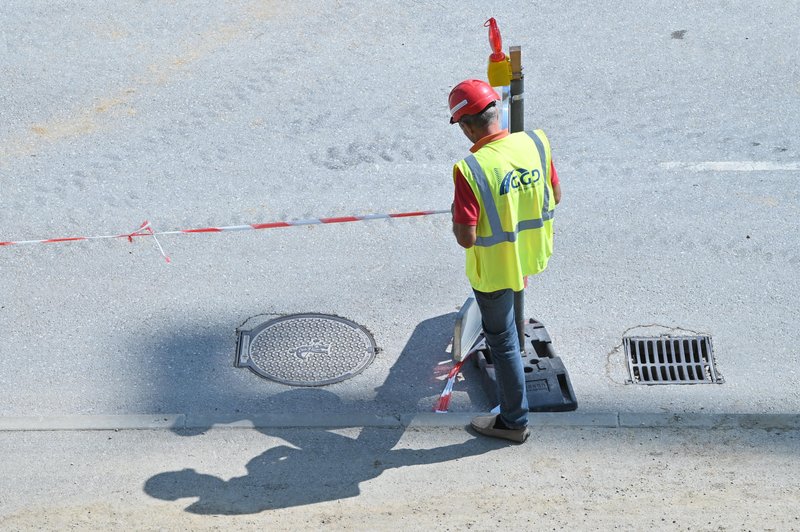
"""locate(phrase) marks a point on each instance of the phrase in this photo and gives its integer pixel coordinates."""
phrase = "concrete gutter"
(409, 421)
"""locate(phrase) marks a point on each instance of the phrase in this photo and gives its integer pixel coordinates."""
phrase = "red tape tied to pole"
(146, 229)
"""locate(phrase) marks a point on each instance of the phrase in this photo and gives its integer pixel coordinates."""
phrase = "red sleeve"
(465, 205)
(553, 175)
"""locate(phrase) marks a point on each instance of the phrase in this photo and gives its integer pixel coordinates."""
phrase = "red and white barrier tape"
(146, 229)
(444, 399)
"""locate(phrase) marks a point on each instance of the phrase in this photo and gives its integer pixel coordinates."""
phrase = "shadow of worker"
(316, 465)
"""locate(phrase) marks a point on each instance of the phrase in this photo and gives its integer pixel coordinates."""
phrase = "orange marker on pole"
(499, 70)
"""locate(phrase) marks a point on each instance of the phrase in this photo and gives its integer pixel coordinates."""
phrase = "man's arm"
(465, 209)
(555, 182)
(465, 235)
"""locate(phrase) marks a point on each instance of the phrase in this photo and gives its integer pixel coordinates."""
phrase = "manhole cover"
(306, 349)
(671, 360)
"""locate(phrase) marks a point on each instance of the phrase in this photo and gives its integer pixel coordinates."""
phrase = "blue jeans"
(500, 329)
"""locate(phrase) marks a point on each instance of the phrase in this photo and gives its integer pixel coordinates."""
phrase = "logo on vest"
(519, 178)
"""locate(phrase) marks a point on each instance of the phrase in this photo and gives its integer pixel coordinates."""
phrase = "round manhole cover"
(306, 349)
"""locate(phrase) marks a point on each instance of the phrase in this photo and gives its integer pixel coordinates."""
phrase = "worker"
(505, 195)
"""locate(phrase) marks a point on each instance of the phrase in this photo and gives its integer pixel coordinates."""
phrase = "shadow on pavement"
(316, 466)
(322, 465)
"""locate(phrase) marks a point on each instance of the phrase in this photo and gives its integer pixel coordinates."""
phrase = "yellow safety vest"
(511, 181)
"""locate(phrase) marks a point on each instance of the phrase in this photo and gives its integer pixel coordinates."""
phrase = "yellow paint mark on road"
(769, 201)
(766, 201)
(108, 32)
(106, 112)
(59, 128)
(201, 46)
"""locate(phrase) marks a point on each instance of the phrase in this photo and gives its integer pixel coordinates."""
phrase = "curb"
(711, 421)
(407, 421)
(90, 422)
(544, 419)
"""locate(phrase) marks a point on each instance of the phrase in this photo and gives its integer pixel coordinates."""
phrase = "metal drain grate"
(306, 349)
(671, 360)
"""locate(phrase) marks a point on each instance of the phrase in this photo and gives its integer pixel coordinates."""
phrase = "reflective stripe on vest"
(498, 235)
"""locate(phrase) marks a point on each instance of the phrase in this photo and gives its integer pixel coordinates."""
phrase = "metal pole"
(519, 315)
(517, 123)
(517, 112)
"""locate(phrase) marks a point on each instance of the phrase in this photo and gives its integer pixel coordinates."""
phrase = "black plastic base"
(546, 379)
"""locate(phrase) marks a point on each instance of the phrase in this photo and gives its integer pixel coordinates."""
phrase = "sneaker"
(485, 425)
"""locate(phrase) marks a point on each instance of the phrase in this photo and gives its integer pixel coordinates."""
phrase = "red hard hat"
(470, 97)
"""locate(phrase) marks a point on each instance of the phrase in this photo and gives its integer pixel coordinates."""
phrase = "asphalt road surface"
(674, 130)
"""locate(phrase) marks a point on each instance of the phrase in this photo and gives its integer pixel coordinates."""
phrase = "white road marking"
(732, 166)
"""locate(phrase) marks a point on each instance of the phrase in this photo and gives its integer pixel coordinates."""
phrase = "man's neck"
(487, 138)
(491, 129)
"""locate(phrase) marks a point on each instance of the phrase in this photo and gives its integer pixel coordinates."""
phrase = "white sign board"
(467, 330)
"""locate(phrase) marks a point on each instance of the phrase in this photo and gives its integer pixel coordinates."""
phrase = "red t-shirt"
(465, 205)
